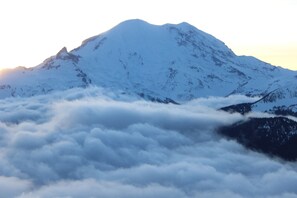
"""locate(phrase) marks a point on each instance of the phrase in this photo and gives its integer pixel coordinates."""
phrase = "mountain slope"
(178, 62)
(172, 64)
(276, 136)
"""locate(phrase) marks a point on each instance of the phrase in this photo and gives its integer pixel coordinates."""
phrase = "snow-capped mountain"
(168, 62)
(173, 64)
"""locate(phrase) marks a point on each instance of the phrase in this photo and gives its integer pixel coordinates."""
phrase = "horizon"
(34, 31)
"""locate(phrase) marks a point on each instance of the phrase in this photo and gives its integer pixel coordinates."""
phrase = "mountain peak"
(183, 25)
(134, 22)
(140, 22)
(62, 52)
(175, 61)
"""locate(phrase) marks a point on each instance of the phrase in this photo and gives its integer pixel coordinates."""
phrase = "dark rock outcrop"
(275, 136)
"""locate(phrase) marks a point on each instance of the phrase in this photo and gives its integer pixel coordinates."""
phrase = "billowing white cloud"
(12, 186)
(93, 188)
(84, 143)
(219, 102)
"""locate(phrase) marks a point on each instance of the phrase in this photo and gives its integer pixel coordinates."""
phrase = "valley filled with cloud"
(95, 143)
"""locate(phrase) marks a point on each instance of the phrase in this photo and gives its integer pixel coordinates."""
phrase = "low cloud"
(12, 186)
(95, 188)
(93, 143)
(219, 102)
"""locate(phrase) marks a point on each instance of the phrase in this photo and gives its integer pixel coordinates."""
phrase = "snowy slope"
(178, 62)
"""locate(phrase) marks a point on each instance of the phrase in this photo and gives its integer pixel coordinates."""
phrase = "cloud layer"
(91, 143)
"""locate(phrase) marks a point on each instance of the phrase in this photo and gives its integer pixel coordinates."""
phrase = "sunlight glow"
(33, 30)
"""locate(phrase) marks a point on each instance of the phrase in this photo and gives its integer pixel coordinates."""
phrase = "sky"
(33, 30)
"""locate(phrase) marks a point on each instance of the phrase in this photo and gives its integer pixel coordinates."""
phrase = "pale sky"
(33, 30)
